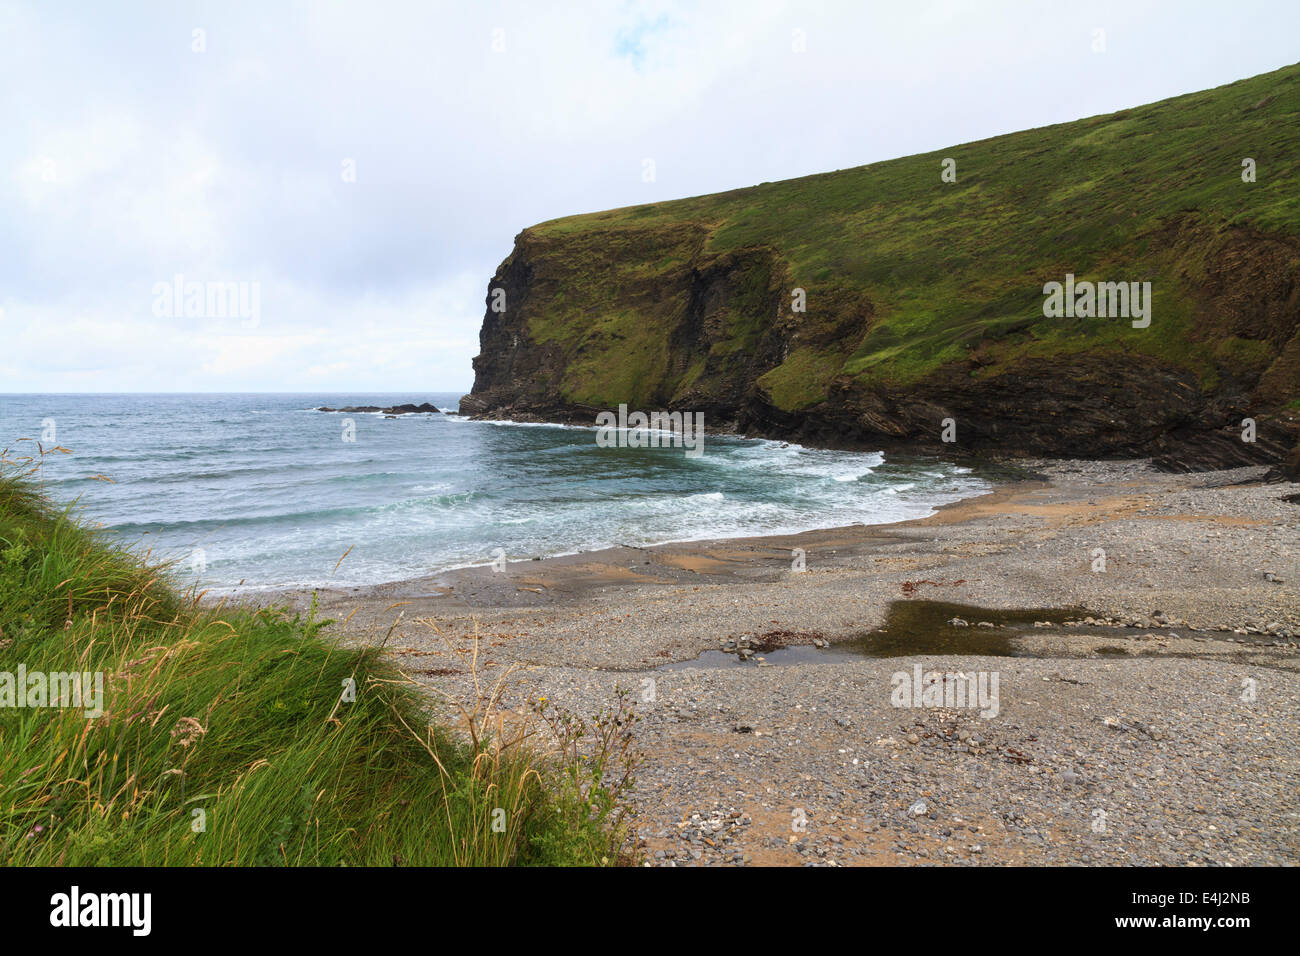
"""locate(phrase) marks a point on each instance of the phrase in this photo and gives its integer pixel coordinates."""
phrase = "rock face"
(918, 318)
(407, 409)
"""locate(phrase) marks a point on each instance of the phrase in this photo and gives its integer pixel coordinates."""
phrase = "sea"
(262, 491)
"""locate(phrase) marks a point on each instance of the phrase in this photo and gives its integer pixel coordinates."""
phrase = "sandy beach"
(1148, 699)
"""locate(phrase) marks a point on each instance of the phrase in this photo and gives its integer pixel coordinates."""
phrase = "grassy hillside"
(224, 738)
(910, 279)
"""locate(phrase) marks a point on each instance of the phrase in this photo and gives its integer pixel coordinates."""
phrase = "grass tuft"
(229, 737)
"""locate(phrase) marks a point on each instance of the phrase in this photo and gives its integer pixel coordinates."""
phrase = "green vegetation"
(1153, 193)
(225, 737)
(801, 379)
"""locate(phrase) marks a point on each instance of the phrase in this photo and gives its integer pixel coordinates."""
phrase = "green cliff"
(925, 297)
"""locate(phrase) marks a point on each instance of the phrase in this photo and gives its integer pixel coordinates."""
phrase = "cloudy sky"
(362, 167)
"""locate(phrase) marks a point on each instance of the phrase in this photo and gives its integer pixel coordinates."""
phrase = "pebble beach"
(1148, 698)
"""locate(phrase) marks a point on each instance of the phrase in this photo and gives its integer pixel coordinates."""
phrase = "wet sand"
(578, 579)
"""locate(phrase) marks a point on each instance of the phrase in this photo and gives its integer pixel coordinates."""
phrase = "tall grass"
(228, 736)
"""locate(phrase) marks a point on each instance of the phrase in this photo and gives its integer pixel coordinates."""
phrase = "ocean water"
(264, 490)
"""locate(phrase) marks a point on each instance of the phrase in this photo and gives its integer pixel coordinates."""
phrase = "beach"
(1146, 712)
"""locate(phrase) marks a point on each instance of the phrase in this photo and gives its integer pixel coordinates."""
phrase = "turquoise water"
(261, 488)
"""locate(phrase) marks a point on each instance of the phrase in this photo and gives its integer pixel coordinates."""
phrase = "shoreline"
(995, 474)
(604, 566)
(889, 562)
(1062, 494)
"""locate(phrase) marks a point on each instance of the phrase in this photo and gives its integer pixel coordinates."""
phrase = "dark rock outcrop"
(1111, 404)
(407, 409)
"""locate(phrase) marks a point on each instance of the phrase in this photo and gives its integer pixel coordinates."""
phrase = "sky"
(356, 171)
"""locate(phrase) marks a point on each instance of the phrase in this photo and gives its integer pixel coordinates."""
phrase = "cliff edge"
(898, 304)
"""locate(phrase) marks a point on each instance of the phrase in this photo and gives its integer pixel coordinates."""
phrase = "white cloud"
(225, 165)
